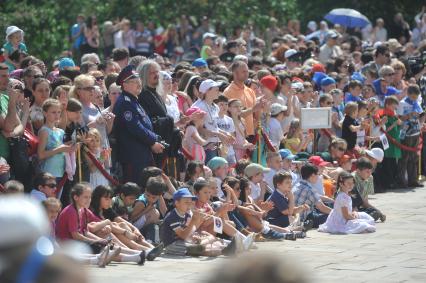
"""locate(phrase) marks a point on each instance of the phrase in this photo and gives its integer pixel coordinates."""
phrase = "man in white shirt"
(45, 187)
(330, 49)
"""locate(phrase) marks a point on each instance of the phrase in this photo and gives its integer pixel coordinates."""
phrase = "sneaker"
(248, 242)
(239, 244)
(230, 249)
(103, 257)
(155, 252)
(290, 236)
(415, 185)
(300, 234)
(112, 255)
(375, 214)
(382, 217)
(308, 225)
(195, 250)
(142, 257)
(273, 235)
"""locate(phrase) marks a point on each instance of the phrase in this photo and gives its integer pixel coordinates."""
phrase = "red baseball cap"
(318, 68)
(318, 161)
(270, 82)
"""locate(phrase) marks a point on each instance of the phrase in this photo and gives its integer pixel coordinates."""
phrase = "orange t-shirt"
(248, 99)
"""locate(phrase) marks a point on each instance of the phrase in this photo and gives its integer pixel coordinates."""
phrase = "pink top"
(196, 150)
(240, 139)
(204, 207)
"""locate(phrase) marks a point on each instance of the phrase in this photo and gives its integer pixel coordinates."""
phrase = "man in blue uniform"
(136, 140)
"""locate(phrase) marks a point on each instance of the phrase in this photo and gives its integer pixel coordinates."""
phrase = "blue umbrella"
(347, 17)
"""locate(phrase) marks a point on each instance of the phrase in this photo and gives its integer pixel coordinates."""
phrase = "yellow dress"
(292, 143)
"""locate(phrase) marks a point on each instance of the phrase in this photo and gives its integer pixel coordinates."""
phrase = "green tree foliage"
(47, 23)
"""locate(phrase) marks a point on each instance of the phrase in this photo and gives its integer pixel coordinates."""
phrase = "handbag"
(32, 141)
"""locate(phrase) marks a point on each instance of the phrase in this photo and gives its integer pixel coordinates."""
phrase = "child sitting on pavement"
(150, 205)
(283, 200)
(364, 186)
(342, 220)
(203, 192)
(304, 193)
(126, 196)
(178, 230)
(254, 215)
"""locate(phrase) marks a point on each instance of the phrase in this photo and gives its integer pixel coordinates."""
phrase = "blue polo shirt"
(275, 216)
(172, 222)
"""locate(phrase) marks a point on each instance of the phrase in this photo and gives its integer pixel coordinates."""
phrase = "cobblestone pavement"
(395, 253)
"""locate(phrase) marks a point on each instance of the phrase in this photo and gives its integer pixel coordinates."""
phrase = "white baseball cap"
(297, 86)
(209, 35)
(208, 84)
(376, 153)
(290, 53)
(277, 108)
(22, 220)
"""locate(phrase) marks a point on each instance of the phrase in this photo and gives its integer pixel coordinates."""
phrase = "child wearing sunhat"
(14, 42)
(258, 187)
(219, 167)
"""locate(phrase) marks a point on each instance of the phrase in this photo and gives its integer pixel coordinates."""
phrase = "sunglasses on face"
(389, 75)
(18, 87)
(36, 76)
(88, 88)
(52, 185)
(98, 79)
(329, 103)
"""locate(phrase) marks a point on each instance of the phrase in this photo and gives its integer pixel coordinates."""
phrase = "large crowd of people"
(142, 140)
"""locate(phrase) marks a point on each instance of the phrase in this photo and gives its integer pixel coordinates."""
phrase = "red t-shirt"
(69, 221)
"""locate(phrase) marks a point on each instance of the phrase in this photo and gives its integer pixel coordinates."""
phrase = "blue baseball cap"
(66, 63)
(286, 154)
(183, 193)
(327, 81)
(200, 62)
(318, 76)
(357, 76)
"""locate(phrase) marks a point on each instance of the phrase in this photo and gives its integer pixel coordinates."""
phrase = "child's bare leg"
(229, 229)
(152, 216)
(130, 243)
(279, 229)
(253, 222)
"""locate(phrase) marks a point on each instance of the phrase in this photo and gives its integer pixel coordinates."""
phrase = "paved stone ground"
(395, 253)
